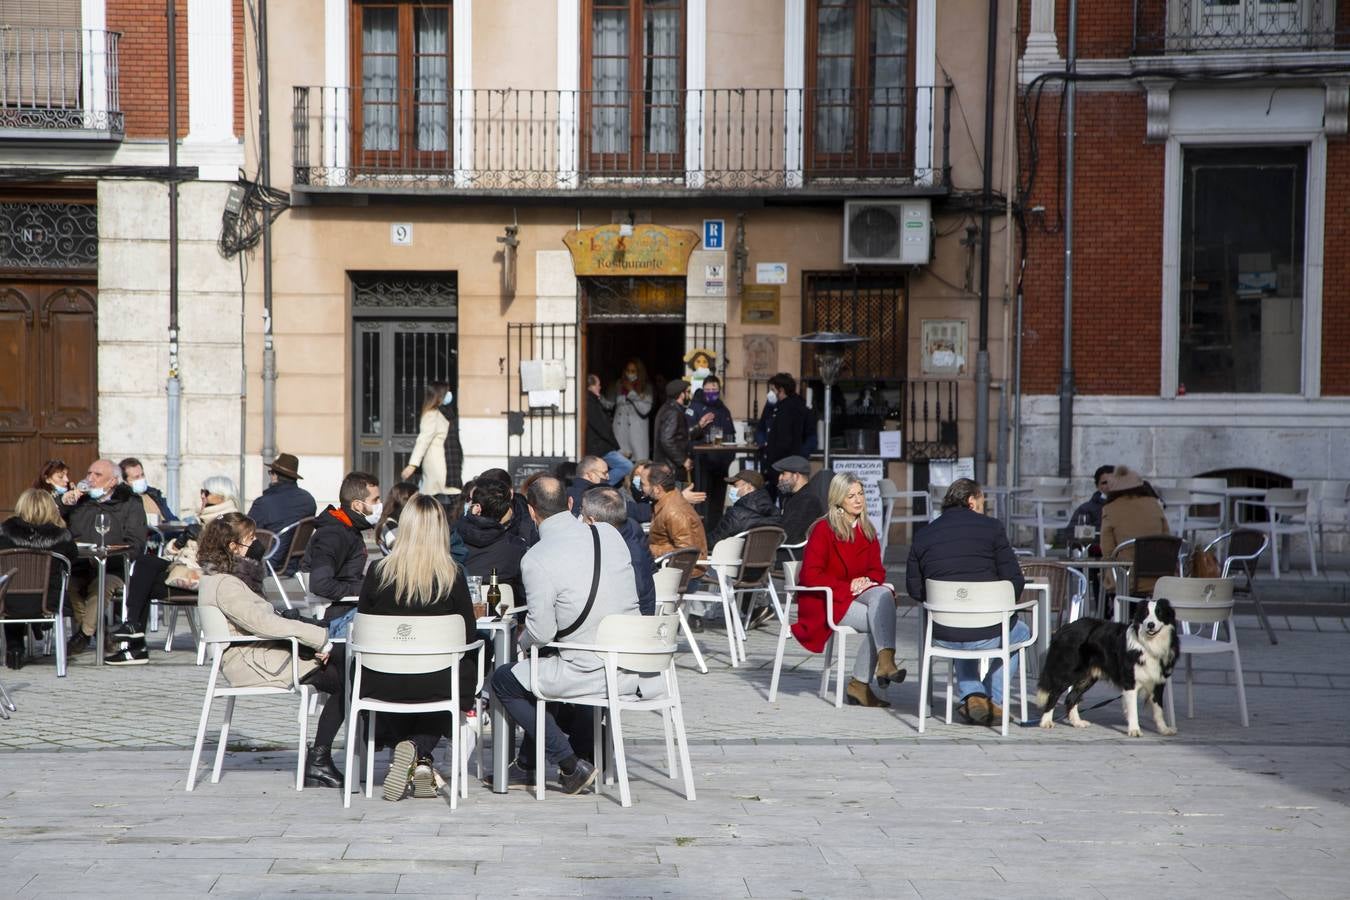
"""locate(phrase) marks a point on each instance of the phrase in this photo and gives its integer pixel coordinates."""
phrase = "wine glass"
(102, 524)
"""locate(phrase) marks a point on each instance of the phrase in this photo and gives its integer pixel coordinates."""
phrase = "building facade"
(84, 236)
(1211, 257)
(512, 195)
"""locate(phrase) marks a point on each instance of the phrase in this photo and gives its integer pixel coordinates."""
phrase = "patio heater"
(829, 347)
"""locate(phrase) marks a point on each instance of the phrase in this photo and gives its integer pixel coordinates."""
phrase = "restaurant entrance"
(48, 381)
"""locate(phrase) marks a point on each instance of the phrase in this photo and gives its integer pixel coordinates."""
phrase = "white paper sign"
(942, 472)
(771, 273)
(869, 472)
(545, 398)
(890, 445)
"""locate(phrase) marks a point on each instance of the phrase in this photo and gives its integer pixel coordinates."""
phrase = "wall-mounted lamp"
(509, 244)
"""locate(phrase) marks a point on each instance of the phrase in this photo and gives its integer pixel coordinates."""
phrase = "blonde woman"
(843, 554)
(429, 451)
(417, 578)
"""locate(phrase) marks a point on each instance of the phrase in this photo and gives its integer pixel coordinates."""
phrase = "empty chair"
(1285, 511)
(1330, 510)
(1068, 588)
(634, 649)
(1176, 501)
(1207, 509)
(1203, 601)
(300, 534)
(1240, 550)
(1152, 556)
(890, 497)
(1044, 509)
(724, 564)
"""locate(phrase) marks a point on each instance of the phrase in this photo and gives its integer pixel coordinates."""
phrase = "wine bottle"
(494, 593)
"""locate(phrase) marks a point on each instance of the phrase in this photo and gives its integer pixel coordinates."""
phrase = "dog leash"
(1036, 723)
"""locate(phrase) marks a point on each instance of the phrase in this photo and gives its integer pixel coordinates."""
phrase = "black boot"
(319, 768)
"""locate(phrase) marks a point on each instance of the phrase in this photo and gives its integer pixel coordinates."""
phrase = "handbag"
(595, 586)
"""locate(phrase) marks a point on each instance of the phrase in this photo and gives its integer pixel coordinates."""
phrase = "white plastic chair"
(1204, 492)
(1203, 601)
(724, 564)
(1286, 510)
(1050, 505)
(670, 602)
(412, 645)
(1327, 497)
(973, 604)
(216, 636)
(1176, 504)
(890, 495)
(642, 645)
(835, 644)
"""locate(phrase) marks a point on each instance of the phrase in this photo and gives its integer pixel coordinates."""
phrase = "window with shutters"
(40, 50)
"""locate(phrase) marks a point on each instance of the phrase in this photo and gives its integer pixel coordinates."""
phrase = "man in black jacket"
(283, 504)
(520, 523)
(964, 544)
(674, 431)
(485, 530)
(751, 507)
(600, 439)
(336, 555)
(788, 424)
(801, 505)
(133, 473)
(126, 525)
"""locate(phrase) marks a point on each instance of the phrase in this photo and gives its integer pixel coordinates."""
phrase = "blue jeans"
(619, 466)
(968, 670)
(338, 627)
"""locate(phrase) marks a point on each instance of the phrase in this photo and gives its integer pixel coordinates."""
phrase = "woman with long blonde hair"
(843, 554)
(417, 578)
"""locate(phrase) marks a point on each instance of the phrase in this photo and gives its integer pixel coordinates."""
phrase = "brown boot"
(860, 694)
(887, 671)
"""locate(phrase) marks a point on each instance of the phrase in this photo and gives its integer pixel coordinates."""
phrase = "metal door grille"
(540, 437)
(870, 304)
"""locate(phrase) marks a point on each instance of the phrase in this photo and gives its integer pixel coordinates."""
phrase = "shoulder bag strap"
(595, 586)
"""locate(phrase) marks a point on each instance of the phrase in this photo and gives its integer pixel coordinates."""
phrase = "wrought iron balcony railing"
(1190, 26)
(58, 83)
(746, 140)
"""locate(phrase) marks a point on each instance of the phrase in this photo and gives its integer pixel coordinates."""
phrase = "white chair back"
(790, 572)
(1048, 481)
(951, 603)
(215, 627)
(645, 643)
(406, 646)
(667, 582)
(728, 551)
(1198, 600)
(1287, 497)
(887, 489)
(1051, 493)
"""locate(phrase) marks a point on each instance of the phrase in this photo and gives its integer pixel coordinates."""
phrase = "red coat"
(832, 563)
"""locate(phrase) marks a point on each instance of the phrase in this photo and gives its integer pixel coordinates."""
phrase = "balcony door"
(633, 97)
(401, 105)
(859, 74)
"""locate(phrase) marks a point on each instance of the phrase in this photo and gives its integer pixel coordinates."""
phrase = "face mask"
(702, 372)
(255, 551)
(468, 507)
(710, 396)
(637, 484)
(449, 395)
(97, 493)
(772, 398)
(373, 517)
(140, 485)
(59, 490)
(630, 376)
(733, 494)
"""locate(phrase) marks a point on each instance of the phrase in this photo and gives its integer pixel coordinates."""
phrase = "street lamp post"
(829, 347)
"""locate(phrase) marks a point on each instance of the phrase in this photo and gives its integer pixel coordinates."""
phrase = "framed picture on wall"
(761, 356)
(944, 347)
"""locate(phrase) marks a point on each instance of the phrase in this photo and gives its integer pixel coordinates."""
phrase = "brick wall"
(143, 59)
(1117, 250)
(1105, 27)
(1336, 273)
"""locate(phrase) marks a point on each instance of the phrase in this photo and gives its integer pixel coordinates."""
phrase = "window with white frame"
(1242, 262)
(1225, 24)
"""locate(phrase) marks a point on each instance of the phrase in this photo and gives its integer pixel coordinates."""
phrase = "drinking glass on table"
(102, 524)
(475, 583)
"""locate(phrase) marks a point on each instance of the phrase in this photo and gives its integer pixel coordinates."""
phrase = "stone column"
(1042, 46)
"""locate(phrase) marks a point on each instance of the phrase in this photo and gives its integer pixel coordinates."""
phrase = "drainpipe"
(986, 242)
(1066, 371)
(269, 366)
(173, 452)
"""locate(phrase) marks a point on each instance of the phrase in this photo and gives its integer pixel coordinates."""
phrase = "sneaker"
(762, 616)
(127, 656)
(424, 779)
(517, 776)
(580, 778)
(127, 630)
(78, 644)
(400, 770)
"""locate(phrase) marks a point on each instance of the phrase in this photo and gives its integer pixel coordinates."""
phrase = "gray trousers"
(872, 613)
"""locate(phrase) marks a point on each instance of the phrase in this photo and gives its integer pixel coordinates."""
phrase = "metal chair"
(1203, 601)
(1286, 512)
(1241, 552)
(31, 572)
(300, 534)
(1153, 556)
(1068, 588)
(759, 554)
(6, 704)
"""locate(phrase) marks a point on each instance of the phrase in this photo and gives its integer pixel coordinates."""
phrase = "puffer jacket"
(258, 664)
(962, 545)
(492, 546)
(751, 511)
(335, 559)
(636, 539)
(16, 534)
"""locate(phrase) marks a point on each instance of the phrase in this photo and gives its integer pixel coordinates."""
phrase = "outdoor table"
(502, 630)
(1086, 565)
(100, 557)
(702, 454)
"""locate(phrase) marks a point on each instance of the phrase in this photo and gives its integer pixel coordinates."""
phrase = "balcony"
(59, 84)
(570, 144)
(1238, 26)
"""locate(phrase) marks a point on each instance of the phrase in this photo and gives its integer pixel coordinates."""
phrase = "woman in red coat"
(843, 554)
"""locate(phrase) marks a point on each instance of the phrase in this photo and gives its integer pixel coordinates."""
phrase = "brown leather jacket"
(676, 525)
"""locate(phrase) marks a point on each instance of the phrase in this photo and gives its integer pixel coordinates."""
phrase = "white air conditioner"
(888, 232)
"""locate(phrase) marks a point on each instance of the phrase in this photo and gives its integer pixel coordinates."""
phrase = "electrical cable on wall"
(248, 206)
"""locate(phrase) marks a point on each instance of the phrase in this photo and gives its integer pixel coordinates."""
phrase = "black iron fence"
(722, 139)
(1186, 26)
(541, 396)
(928, 420)
(60, 81)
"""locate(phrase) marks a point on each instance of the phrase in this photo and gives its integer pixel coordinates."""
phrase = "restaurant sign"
(649, 250)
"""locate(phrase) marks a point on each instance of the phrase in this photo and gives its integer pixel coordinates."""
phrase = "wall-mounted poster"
(944, 347)
(761, 304)
(761, 356)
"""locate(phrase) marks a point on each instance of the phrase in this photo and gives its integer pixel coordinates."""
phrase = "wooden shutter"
(41, 45)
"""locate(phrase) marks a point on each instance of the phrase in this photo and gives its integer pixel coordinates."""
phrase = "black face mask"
(255, 551)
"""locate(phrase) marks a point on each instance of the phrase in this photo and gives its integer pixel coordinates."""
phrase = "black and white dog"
(1134, 657)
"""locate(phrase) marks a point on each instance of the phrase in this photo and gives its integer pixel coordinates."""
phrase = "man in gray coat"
(559, 574)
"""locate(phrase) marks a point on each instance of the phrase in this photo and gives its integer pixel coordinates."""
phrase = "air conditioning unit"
(888, 232)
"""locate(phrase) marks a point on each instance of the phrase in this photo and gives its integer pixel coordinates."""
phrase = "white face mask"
(702, 372)
(449, 395)
(97, 493)
(373, 517)
(771, 398)
(140, 485)
(631, 376)
(733, 494)
(59, 490)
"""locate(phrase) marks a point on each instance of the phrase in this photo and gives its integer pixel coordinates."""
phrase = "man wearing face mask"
(801, 507)
(126, 525)
(336, 555)
(133, 473)
(787, 421)
(751, 507)
(710, 467)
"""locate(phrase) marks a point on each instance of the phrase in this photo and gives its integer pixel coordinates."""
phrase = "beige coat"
(429, 452)
(1132, 515)
(262, 664)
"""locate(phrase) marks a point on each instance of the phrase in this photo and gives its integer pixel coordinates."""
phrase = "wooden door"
(48, 382)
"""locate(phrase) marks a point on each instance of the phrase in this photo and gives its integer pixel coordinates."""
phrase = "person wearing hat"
(284, 503)
(1132, 510)
(751, 507)
(801, 506)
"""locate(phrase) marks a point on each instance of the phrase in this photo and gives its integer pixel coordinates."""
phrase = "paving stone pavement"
(795, 799)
